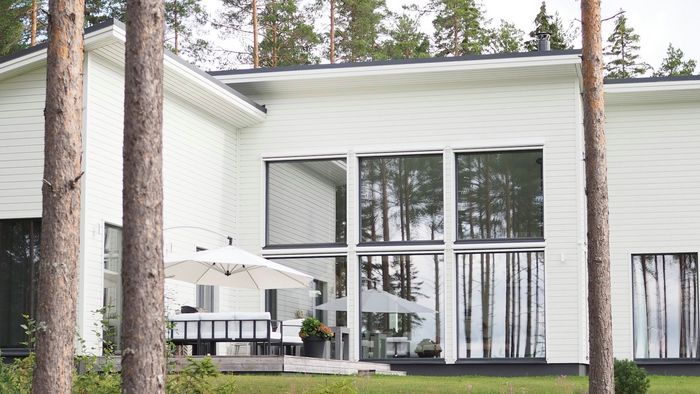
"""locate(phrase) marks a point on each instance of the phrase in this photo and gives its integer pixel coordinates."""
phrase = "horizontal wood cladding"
(654, 180)
(419, 118)
(22, 100)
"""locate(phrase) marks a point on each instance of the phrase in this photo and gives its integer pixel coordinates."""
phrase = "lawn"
(431, 384)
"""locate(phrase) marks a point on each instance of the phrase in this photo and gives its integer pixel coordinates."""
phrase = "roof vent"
(543, 41)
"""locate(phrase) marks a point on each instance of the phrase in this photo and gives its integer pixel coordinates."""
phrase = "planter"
(314, 346)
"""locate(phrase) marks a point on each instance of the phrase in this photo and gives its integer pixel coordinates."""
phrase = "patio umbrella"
(233, 267)
(377, 301)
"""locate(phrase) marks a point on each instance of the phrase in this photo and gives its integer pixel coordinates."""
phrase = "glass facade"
(501, 305)
(306, 202)
(500, 195)
(401, 303)
(330, 285)
(665, 302)
(19, 257)
(401, 198)
(112, 292)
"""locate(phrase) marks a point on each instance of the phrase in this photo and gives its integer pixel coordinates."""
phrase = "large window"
(112, 296)
(499, 195)
(401, 304)
(665, 299)
(501, 305)
(19, 257)
(401, 198)
(306, 202)
(326, 299)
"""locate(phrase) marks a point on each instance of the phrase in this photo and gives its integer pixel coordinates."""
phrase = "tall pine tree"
(559, 38)
(406, 41)
(506, 38)
(622, 48)
(182, 18)
(674, 65)
(98, 11)
(12, 26)
(287, 38)
(358, 25)
(460, 27)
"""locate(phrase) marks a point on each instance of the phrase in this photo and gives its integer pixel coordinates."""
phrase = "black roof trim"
(652, 79)
(43, 45)
(397, 62)
(115, 22)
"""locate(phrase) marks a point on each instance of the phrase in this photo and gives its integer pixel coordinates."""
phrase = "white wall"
(199, 178)
(654, 181)
(22, 101)
(495, 114)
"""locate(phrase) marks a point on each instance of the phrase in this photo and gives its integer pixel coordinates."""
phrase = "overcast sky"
(656, 22)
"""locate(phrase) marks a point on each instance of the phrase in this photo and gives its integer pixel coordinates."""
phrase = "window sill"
(407, 360)
(667, 361)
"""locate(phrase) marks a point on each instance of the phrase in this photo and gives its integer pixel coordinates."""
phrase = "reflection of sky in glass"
(411, 188)
(423, 268)
(497, 307)
(665, 305)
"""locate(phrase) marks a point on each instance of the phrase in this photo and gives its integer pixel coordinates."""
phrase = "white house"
(454, 183)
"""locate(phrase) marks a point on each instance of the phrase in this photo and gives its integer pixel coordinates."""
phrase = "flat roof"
(653, 79)
(306, 67)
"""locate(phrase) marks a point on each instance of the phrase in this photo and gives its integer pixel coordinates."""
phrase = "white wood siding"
(199, 177)
(494, 114)
(22, 100)
(654, 181)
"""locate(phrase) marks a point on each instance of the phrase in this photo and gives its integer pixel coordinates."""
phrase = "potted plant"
(314, 334)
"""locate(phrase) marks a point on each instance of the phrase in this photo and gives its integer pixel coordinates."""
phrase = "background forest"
(274, 33)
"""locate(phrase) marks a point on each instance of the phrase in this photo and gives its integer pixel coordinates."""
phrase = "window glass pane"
(306, 202)
(401, 302)
(499, 195)
(112, 293)
(665, 301)
(19, 256)
(330, 283)
(401, 198)
(205, 298)
(501, 305)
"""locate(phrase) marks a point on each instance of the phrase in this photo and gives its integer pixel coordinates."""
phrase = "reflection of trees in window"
(499, 195)
(415, 278)
(19, 256)
(401, 198)
(501, 299)
(665, 288)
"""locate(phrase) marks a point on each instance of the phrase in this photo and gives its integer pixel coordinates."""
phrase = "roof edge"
(681, 78)
(395, 62)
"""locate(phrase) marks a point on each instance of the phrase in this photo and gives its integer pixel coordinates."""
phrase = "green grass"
(430, 384)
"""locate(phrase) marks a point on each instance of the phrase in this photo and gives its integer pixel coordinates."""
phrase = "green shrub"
(338, 387)
(194, 378)
(630, 378)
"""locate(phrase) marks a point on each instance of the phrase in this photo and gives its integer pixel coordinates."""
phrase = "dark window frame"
(20, 349)
(662, 360)
(459, 323)
(267, 245)
(459, 241)
(359, 200)
(407, 360)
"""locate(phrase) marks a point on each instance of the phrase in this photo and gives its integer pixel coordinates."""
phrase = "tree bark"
(332, 33)
(599, 309)
(143, 339)
(60, 230)
(32, 37)
(256, 49)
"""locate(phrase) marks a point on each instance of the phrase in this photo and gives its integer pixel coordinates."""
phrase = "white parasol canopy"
(233, 267)
(377, 301)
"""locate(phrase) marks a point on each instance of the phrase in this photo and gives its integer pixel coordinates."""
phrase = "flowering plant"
(312, 327)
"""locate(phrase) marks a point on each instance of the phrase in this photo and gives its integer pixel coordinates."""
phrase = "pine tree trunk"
(332, 32)
(60, 231)
(599, 309)
(143, 350)
(32, 39)
(256, 49)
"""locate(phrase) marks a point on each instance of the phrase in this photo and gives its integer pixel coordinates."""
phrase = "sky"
(657, 23)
